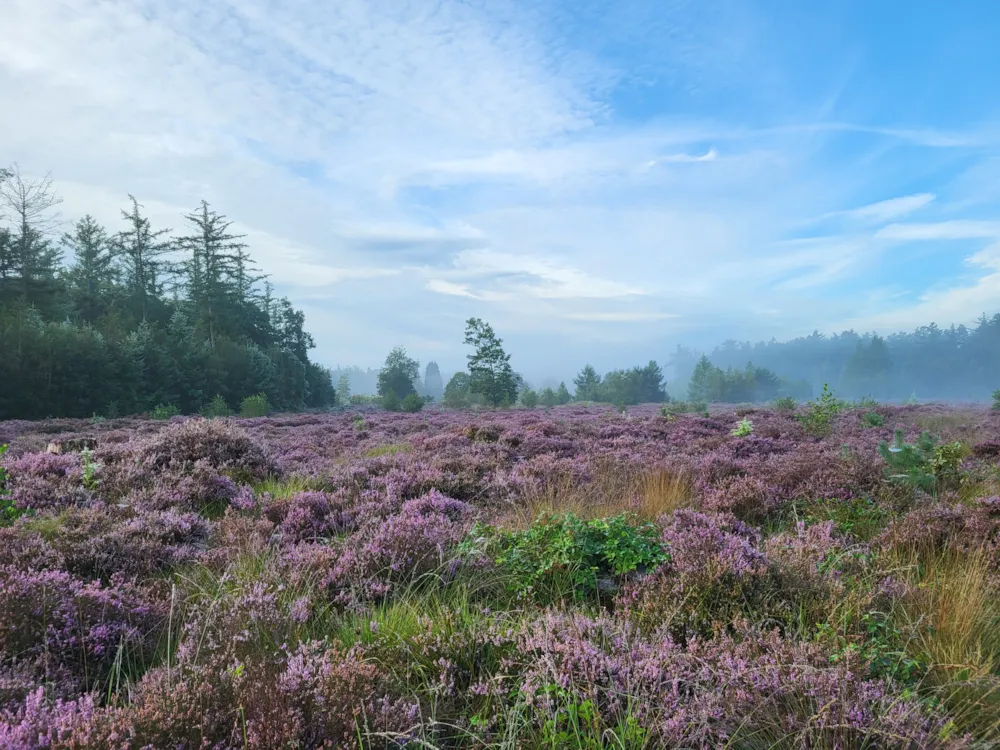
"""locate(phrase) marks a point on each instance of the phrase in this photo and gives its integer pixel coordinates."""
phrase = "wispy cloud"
(639, 171)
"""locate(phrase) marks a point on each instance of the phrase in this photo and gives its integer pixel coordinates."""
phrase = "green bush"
(255, 406)
(922, 464)
(529, 398)
(165, 411)
(217, 408)
(8, 511)
(996, 399)
(391, 402)
(872, 419)
(412, 403)
(564, 555)
(785, 403)
(819, 416)
(743, 428)
(683, 407)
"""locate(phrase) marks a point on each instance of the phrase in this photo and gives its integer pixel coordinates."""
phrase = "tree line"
(934, 363)
(109, 321)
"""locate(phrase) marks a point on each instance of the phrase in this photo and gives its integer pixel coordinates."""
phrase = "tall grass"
(614, 491)
(953, 613)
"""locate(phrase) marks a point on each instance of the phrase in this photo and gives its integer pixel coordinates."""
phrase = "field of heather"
(572, 577)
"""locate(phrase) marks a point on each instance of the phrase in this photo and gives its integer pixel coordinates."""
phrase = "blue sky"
(601, 181)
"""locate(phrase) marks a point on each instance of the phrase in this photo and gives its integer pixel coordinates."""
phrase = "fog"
(930, 363)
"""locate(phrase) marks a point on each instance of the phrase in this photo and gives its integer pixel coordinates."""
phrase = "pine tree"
(140, 252)
(588, 384)
(490, 372)
(433, 382)
(217, 273)
(90, 278)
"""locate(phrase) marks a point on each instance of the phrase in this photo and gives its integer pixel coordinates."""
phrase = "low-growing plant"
(819, 415)
(389, 449)
(164, 411)
(866, 403)
(90, 470)
(785, 403)
(882, 647)
(872, 419)
(217, 407)
(412, 403)
(996, 399)
(743, 428)
(9, 512)
(255, 406)
(683, 407)
(564, 555)
(923, 464)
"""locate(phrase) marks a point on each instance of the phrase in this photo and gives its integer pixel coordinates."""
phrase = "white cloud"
(891, 208)
(942, 230)
(457, 158)
(440, 286)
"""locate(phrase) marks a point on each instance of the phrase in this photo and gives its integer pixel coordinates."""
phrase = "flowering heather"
(312, 580)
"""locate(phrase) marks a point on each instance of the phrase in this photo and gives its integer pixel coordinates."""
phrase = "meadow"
(819, 576)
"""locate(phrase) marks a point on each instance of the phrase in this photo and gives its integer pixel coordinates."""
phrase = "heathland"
(818, 576)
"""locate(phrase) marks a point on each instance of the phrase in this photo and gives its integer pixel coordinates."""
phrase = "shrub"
(923, 464)
(872, 419)
(391, 402)
(562, 554)
(412, 403)
(785, 403)
(996, 399)
(255, 406)
(164, 411)
(8, 510)
(529, 398)
(683, 407)
(217, 407)
(743, 428)
(221, 446)
(819, 416)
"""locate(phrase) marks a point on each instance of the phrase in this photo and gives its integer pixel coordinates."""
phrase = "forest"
(106, 321)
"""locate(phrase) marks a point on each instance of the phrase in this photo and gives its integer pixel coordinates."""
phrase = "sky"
(600, 181)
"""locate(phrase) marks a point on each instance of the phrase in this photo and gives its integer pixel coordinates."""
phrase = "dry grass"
(954, 616)
(613, 492)
(956, 426)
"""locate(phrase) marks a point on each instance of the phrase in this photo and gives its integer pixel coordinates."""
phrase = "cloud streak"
(405, 165)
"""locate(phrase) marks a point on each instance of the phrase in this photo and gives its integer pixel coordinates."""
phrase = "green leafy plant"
(818, 417)
(882, 646)
(391, 402)
(529, 398)
(412, 403)
(217, 407)
(743, 428)
(785, 403)
(9, 512)
(255, 406)
(923, 464)
(90, 470)
(872, 419)
(996, 399)
(565, 555)
(683, 407)
(165, 411)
